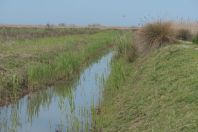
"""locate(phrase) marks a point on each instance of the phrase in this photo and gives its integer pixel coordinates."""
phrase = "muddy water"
(63, 107)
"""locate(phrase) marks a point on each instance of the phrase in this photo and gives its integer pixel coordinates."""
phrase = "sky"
(105, 12)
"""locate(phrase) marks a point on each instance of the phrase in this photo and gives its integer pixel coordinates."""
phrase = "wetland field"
(98, 79)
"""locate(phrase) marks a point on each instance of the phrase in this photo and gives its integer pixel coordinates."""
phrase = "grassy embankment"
(155, 92)
(31, 64)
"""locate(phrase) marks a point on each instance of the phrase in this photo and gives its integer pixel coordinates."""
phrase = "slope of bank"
(157, 92)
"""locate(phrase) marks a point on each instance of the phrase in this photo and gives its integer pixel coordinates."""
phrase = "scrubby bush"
(184, 34)
(155, 35)
(195, 39)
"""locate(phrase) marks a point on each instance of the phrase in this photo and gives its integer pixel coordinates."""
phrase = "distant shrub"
(155, 35)
(195, 39)
(184, 34)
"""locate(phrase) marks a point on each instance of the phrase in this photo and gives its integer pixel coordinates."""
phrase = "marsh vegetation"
(30, 64)
(150, 84)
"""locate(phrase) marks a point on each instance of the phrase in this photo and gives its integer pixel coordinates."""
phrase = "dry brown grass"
(195, 38)
(154, 35)
(184, 34)
(191, 26)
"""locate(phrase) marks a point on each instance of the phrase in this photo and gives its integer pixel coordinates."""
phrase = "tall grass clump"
(154, 35)
(13, 87)
(125, 47)
(195, 39)
(184, 34)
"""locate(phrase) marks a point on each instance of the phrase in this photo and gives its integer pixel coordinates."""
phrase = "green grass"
(30, 65)
(157, 92)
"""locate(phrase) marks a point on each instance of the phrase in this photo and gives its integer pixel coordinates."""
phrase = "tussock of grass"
(154, 35)
(195, 39)
(158, 92)
(184, 34)
(192, 26)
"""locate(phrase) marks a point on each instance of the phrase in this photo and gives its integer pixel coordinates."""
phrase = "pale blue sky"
(83, 12)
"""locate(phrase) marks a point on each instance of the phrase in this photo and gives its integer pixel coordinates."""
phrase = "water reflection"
(64, 107)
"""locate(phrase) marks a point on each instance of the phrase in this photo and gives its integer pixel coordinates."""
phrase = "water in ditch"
(60, 108)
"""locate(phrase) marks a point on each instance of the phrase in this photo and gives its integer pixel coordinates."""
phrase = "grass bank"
(29, 65)
(156, 92)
